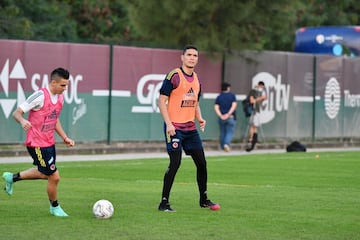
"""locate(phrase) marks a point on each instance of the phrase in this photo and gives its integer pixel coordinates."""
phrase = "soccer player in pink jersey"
(44, 107)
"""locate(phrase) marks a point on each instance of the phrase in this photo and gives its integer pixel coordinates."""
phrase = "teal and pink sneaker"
(58, 211)
(8, 177)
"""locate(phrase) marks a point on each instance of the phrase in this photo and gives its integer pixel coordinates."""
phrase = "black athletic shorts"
(44, 158)
(187, 140)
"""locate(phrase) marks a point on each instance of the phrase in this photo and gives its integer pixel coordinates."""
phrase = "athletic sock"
(16, 177)
(203, 197)
(255, 139)
(253, 142)
(54, 203)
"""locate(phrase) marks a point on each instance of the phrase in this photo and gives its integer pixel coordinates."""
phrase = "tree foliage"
(224, 25)
(64, 20)
(213, 25)
(100, 21)
(36, 20)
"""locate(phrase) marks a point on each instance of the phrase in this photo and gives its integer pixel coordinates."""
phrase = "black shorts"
(44, 158)
(187, 140)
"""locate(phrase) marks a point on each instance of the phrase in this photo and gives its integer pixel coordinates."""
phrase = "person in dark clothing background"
(256, 96)
(225, 109)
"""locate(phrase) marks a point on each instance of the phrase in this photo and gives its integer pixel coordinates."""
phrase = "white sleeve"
(35, 101)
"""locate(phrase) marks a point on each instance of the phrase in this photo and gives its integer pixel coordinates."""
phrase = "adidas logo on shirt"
(190, 93)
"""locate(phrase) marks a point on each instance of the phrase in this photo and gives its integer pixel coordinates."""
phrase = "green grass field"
(262, 196)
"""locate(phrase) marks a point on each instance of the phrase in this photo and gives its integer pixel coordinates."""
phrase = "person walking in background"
(44, 107)
(225, 109)
(179, 107)
(256, 96)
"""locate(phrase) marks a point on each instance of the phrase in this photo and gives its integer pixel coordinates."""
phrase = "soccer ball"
(103, 209)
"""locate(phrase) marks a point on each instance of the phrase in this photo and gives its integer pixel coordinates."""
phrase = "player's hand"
(26, 125)
(170, 129)
(202, 123)
(69, 142)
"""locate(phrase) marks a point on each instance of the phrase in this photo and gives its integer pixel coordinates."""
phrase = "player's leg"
(174, 149)
(198, 157)
(169, 176)
(45, 159)
(254, 127)
(201, 176)
(192, 145)
(29, 174)
(53, 181)
(229, 132)
(52, 187)
(251, 128)
(222, 124)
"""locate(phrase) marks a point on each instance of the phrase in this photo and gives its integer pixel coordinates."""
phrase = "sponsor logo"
(147, 93)
(17, 73)
(320, 38)
(190, 93)
(278, 95)
(332, 97)
(79, 111)
(51, 160)
(188, 103)
(351, 100)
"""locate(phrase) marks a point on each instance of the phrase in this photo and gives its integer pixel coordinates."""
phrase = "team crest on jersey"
(175, 142)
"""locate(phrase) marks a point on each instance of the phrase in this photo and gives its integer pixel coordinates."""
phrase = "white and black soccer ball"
(103, 209)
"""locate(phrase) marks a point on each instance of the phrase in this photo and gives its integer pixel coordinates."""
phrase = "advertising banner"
(299, 116)
(26, 67)
(351, 97)
(113, 90)
(89, 113)
(138, 74)
(329, 113)
(309, 96)
(245, 71)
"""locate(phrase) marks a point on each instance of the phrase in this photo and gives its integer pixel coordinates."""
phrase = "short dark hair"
(189, 46)
(261, 83)
(59, 73)
(224, 86)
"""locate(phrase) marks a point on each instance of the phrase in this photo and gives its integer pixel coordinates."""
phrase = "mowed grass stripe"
(262, 196)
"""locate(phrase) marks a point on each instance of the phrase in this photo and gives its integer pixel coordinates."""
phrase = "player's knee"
(55, 177)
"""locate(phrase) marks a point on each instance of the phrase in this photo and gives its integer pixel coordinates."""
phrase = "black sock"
(203, 197)
(54, 203)
(16, 177)
(255, 138)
